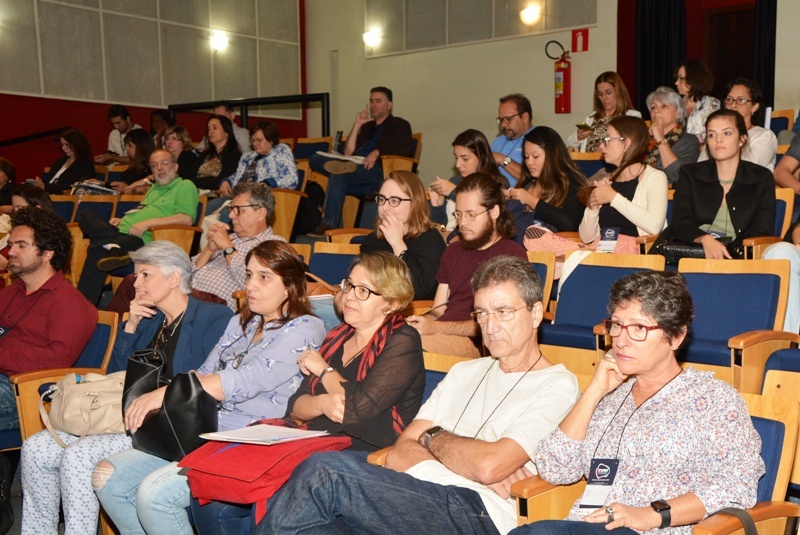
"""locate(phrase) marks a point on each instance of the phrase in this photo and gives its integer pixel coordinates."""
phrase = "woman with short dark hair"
(673, 434)
(694, 82)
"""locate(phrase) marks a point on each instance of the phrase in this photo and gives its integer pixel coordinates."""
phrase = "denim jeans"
(362, 181)
(790, 252)
(146, 494)
(340, 492)
(568, 527)
(219, 518)
(9, 419)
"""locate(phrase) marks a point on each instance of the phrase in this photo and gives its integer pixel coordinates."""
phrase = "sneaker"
(113, 263)
(339, 167)
(319, 232)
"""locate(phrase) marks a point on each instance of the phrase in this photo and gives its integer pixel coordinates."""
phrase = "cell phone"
(583, 126)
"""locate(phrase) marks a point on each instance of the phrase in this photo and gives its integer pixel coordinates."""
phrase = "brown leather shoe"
(339, 167)
(319, 232)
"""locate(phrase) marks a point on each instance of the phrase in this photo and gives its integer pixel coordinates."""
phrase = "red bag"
(249, 473)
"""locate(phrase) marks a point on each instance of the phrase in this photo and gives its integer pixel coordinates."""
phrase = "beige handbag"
(83, 405)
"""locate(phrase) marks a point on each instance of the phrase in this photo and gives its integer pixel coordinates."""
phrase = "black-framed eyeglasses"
(607, 139)
(469, 216)
(394, 202)
(636, 332)
(236, 210)
(502, 314)
(362, 293)
(741, 101)
(501, 120)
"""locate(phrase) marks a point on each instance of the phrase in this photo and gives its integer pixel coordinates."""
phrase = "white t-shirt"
(533, 408)
(116, 141)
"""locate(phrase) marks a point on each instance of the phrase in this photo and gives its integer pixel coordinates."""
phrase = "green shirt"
(178, 197)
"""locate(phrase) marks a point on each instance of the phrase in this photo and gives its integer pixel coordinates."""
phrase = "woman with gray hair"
(669, 147)
(162, 316)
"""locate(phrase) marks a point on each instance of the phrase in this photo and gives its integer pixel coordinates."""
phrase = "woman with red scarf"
(366, 381)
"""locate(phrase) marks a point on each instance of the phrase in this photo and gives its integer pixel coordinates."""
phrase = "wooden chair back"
(287, 201)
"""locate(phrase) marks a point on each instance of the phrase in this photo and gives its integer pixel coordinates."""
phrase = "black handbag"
(188, 410)
(674, 251)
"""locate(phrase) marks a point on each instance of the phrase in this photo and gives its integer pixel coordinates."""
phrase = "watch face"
(660, 505)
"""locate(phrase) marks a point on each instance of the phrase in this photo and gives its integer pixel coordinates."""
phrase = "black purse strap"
(743, 516)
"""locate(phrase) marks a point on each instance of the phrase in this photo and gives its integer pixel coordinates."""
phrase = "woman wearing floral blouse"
(673, 435)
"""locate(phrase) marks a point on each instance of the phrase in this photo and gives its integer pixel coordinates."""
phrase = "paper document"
(263, 434)
(355, 159)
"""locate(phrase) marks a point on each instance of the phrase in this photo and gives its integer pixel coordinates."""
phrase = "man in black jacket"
(369, 139)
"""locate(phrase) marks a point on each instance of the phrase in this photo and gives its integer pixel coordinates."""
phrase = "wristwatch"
(229, 251)
(326, 370)
(506, 161)
(661, 507)
(428, 435)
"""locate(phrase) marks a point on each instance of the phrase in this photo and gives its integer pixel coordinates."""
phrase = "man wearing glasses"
(170, 201)
(514, 117)
(220, 268)
(452, 468)
(485, 229)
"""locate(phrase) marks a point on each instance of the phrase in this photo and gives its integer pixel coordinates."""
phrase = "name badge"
(602, 473)
(3, 331)
(608, 239)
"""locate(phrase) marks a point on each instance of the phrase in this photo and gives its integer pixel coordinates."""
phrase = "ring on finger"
(609, 514)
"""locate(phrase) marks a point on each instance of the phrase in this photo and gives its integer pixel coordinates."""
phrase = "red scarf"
(340, 334)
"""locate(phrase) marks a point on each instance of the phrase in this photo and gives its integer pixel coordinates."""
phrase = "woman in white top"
(610, 100)
(744, 95)
(634, 197)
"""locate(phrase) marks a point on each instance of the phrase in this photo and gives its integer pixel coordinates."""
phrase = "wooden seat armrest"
(177, 227)
(379, 457)
(760, 240)
(398, 157)
(599, 329)
(38, 375)
(529, 487)
(647, 238)
(751, 338)
(724, 524)
(548, 316)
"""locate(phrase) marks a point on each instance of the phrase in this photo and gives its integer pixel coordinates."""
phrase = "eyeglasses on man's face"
(362, 293)
(502, 314)
(507, 119)
(469, 216)
(394, 202)
(636, 332)
(237, 210)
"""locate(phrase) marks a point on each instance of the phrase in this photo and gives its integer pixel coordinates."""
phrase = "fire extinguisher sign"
(580, 40)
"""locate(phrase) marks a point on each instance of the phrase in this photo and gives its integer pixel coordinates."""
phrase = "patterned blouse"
(258, 378)
(696, 122)
(695, 435)
(277, 169)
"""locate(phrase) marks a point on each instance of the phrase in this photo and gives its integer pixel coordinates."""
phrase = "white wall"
(443, 92)
(787, 68)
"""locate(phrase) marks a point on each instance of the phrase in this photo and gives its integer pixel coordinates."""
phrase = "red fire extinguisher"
(563, 79)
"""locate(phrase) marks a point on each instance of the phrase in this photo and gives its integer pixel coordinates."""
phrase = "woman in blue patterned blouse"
(252, 371)
(682, 442)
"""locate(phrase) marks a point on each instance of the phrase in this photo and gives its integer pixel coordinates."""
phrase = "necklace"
(501, 401)
(355, 356)
(163, 338)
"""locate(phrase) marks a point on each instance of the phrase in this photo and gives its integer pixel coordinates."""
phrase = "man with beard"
(485, 229)
(44, 321)
(514, 118)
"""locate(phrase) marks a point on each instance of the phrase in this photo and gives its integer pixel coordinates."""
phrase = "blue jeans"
(219, 518)
(9, 419)
(568, 527)
(339, 492)
(790, 252)
(146, 494)
(360, 182)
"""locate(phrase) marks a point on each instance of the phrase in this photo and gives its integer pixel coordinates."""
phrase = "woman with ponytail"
(634, 197)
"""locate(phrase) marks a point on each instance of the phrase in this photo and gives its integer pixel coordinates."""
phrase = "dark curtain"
(764, 48)
(660, 45)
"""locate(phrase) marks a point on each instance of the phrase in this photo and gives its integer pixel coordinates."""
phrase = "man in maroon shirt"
(484, 229)
(44, 321)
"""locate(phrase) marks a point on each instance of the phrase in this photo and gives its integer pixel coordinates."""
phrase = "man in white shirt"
(121, 121)
(452, 468)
